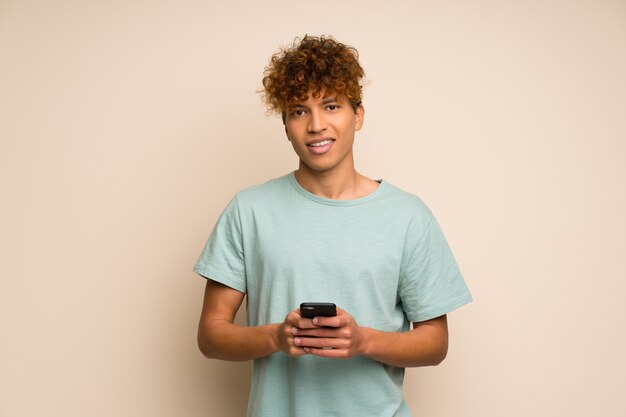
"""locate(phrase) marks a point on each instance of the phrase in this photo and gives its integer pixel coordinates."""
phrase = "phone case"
(310, 310)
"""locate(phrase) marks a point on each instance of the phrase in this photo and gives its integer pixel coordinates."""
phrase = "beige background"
(126, 126)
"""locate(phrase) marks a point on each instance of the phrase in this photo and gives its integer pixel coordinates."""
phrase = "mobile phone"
(310, 310)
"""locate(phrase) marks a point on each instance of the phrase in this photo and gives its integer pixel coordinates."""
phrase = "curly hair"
(312, 64)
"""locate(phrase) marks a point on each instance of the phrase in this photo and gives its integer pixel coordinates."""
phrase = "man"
(326, 233)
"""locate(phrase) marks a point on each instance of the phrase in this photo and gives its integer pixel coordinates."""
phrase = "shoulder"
(408, 211)
(404, 202)
(265, 193)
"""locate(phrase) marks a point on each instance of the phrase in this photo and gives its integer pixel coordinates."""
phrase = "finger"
(341, 319)
(293, 349)
(295, 320)
(318, 332)
(341, 312)
(293, 316)
(337, 321)
(328, 353)
(296, 351)
(305, 324)
(322, 342)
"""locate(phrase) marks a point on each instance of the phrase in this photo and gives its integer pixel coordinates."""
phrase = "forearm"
(221, 339)
(423, 346)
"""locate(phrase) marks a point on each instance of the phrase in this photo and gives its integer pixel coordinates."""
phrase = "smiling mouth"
(320, 143)
(320, 147)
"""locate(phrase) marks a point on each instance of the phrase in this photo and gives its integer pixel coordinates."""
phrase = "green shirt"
(382, 258)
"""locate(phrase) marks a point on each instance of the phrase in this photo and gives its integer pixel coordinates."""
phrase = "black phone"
(310, 310)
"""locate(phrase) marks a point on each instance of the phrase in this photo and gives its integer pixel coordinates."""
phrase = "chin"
(318, 167)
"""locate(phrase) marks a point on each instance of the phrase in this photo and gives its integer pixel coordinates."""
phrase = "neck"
(338, 184)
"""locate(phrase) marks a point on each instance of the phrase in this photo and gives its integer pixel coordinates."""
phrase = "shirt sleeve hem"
(438, 312)
(221, 277)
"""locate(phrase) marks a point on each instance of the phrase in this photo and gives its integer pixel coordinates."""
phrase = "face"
(321, 131)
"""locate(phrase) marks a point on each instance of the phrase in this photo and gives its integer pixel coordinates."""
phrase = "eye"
(332, 107)
(297, 112)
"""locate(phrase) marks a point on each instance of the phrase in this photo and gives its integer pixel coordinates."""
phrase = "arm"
(426, 344)
(220, 338)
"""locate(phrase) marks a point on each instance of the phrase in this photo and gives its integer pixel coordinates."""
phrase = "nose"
(317, 122)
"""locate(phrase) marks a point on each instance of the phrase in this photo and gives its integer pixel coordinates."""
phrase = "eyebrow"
(331, 99)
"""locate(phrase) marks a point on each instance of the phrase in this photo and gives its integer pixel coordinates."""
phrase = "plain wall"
(126, 126)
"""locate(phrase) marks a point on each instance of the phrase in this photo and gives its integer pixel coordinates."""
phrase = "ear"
(359, 115)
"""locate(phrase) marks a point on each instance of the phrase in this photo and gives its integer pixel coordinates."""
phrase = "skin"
(220, 338)
(331, 175)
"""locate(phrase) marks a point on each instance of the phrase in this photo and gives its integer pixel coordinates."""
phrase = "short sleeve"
(222, 258)
(431, 284)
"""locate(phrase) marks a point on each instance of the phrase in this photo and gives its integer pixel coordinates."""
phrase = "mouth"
(320, 146)
(320, 142)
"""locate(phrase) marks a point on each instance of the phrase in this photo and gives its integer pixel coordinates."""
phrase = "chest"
(326, 251)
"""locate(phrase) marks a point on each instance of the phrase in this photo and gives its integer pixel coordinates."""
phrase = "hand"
(331, 337)
(293, 324)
